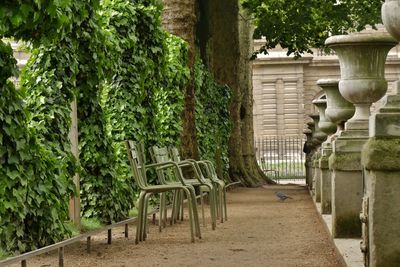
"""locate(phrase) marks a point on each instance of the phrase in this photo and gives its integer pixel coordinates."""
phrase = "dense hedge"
(212, 118)
(33, 189)
(128, 76)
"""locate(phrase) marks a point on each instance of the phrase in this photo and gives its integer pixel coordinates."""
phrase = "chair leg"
(191, 213)
(217, 201)
(164, 223)
(221, 202)
(145, 225)
(139, 219)
(195, 212)
(174, 199)
(181, 207)
(213, 206)
(202, 207)
(225, 210)
(161, 211)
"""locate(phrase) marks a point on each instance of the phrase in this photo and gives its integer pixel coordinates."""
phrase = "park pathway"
(261, 231)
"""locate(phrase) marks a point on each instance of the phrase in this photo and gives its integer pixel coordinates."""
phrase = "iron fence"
(281, 157)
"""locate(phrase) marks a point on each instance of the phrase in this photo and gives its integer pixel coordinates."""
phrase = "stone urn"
(362, 58)
(318, 135)
(391, 17)
(338, 109)
(324, 124)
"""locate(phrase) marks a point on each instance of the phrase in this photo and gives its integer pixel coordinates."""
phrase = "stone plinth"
(326, 181)
(381, 159)
(338, 111)
(362, 58)
(347, 185)
(317, 177)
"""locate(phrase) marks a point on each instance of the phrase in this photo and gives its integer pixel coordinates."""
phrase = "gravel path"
(261, 231)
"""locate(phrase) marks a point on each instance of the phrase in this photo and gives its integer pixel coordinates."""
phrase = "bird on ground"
(282, 196)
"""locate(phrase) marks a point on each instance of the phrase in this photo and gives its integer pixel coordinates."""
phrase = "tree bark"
(228, 48)
(246, 30)
(225, 39)
(179, 18)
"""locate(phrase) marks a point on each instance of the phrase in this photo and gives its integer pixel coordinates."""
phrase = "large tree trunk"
(179, 18)
(228, 49)
(225, 39)
(246, 30)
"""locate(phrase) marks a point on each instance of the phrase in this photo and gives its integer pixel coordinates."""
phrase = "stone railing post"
(381, 160)
(338, 110)
(317, 138)
(328, 128)
(362, 61)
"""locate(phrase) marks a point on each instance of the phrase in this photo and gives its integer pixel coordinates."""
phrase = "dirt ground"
(260, 231)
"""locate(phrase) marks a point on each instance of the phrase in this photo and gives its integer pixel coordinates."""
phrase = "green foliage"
(144, 98)
(32, 189)
(3, 254)
(168, 96)
(40, 21)
(48, 83)
(128, 76)
(305, 24)
(90, 224)
(212, 118)
(129, 97)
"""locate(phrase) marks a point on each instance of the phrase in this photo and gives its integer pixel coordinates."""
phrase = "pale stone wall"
(284, 88)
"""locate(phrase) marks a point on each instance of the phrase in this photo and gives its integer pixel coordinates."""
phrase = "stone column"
(307, 149)
(328, 128)
(381, 159)
(362, 60)
(318, 138)
(338, 110)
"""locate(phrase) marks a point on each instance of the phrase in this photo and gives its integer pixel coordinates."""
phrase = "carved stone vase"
(338, 109)
(324, 124)
(362, 58)
(381, 161)
(328, 128)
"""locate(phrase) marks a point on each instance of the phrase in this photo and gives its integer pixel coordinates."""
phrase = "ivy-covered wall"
(128, 76)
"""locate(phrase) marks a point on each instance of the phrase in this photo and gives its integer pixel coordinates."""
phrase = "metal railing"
(23, 258)
(60, 245)
(281, 157)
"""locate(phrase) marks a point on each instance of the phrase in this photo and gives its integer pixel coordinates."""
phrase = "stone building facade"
(284, 88)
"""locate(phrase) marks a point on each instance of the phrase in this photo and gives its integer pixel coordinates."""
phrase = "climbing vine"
(32, 189)
(212, 118)
(127, 75)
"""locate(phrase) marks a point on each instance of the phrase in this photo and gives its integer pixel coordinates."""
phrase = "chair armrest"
(165, 165)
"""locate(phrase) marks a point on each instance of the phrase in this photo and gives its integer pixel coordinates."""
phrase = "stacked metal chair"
(139, 171)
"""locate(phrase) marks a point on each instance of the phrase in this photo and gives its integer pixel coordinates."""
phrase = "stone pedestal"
(326, 181)
(309, 170)
(328, 128)
(384, 216)
(317, 177)
(362, 58)
(381, 159)
(347, 184)
(338, 111)
(308, 149)
(317, 138)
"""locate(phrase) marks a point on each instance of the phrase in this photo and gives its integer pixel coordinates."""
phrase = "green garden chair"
(162, 155)
(139, 170)
(207, 170)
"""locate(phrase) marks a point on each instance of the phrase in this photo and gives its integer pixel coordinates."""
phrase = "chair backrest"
(137, 163)
(175, 154)
(160, 154)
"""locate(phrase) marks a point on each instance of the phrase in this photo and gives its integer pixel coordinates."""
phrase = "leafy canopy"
(304, 24)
